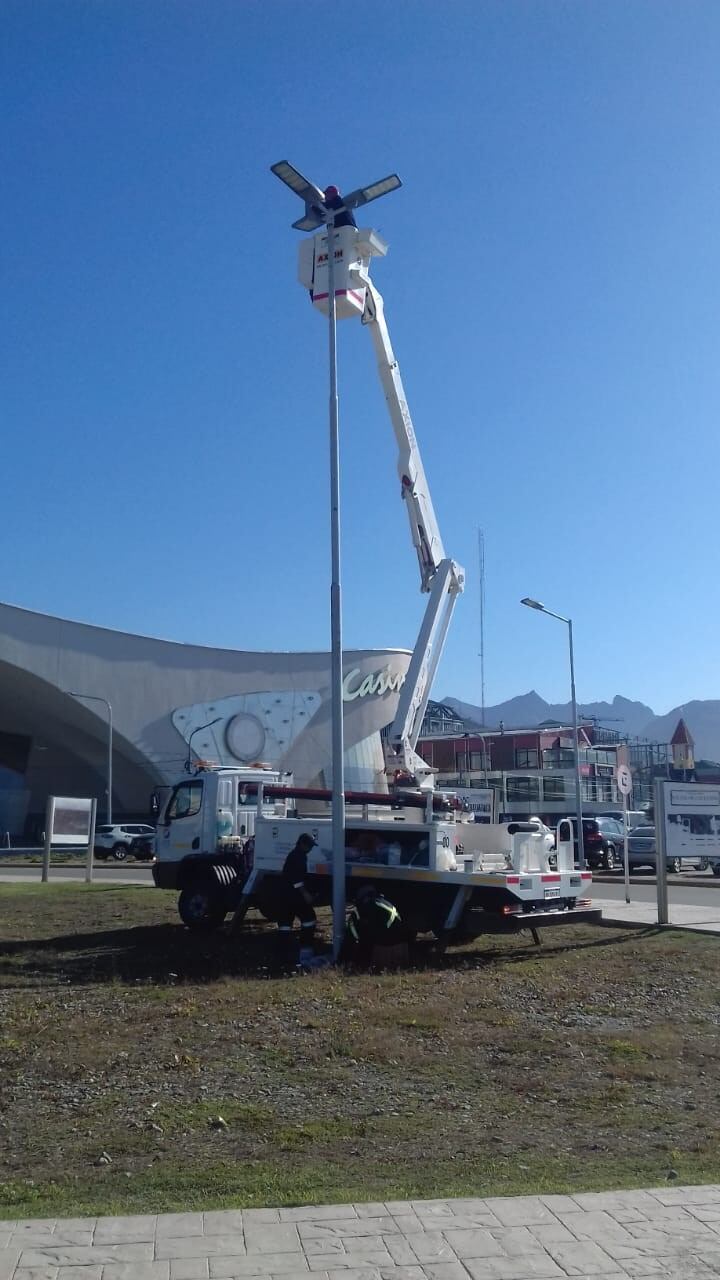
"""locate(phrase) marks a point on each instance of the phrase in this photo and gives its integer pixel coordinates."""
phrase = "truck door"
(180, 831)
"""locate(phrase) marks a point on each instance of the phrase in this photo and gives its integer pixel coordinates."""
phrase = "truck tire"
(200, 908)
(716, 868)
(119, 852)
(674, 865)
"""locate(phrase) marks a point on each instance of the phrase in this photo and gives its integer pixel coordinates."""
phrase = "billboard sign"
(480, 801)
(70, 822)
(692, 820)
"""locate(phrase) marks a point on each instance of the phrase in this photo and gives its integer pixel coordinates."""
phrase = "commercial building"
(533, 769)
(170, 701)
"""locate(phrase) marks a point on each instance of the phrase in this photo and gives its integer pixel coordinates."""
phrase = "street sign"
(623, 777)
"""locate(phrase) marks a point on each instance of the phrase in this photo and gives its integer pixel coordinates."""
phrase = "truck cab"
(204, 833)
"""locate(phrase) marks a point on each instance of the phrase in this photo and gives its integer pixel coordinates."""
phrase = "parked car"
(120, 839)
(642, 852)
(603, 842)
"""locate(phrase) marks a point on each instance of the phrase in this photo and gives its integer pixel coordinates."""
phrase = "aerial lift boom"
(440, 577)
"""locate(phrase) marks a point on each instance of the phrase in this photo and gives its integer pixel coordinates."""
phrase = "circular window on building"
(245, 737)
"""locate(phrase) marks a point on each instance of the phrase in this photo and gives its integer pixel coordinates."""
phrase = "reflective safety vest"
(382, 915)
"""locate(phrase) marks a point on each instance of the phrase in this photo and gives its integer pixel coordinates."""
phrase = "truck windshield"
(185, 801)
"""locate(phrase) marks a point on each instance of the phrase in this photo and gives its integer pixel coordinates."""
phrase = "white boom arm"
(440, 576)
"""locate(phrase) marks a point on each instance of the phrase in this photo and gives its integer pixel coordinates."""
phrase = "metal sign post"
(623, 778)
(91, 844)
(661, 852)
(49, 821)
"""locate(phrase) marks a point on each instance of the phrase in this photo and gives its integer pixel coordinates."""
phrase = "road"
(132, 873)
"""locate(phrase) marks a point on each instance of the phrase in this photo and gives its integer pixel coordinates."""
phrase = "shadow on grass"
(162, 953)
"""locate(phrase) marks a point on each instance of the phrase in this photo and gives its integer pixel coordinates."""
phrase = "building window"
(525, 759)
(554, 788)
(479, 761)
(526, 790)
(559, 758)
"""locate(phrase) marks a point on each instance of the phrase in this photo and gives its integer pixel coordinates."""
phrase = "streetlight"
(327, 208)
(535, 604)
(94, 697)
(199, 729)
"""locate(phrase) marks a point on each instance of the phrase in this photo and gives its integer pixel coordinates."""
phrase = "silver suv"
(120, 839)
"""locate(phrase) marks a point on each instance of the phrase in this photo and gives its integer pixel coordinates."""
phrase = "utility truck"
(223, 835)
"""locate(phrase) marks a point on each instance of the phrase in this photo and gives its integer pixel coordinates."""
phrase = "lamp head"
(533, 604)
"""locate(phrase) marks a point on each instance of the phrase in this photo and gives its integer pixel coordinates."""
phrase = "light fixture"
(533, 604)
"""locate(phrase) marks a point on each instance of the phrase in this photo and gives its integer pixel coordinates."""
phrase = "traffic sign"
(623, 777)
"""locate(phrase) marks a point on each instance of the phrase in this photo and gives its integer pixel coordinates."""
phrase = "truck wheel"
(609, 858)
(119, 852)
(674, 865)
(716, 868)
(200, 909)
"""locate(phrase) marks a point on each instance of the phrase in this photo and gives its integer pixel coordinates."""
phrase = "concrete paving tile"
(404, 1273)
(583, 1259)
(371, 1210)
(25, 1238)
(223, 1222)
(401, 1206)
(9, 1259)
(518, 1240)
(317, 1213)
(475, 1244)
(686, 1195)
(408, 1224)
(599, 1226)
(675, 1218)
(346, 1227)
(80, 1273)
(467, 1221)
(261, 1264)
(200, 1247)
(137, 1271)
(687, 1268)
(261, 1215)
(609, 1201)
(179, 1224)
(47, 1224)
(116, 1230)
(352, 1261)
(522, 1268)
(431, 1246)
(362, 1246)
(325, 1248)
(189, 1269)
(445, 1271)
(560, 1204)
(547, 1233)
(61, 1256)
(520, 1211)
(399, 1250)
(360, 1273)
(37, 1273)
(272, 1237)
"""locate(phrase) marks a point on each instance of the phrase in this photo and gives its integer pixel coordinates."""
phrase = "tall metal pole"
(481, 553)
(338, 743)
(578, 798)
(109, 769)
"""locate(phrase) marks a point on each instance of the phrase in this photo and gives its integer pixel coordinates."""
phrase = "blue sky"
(552, 290)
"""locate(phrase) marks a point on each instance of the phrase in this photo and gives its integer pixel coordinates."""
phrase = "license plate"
(552, 893)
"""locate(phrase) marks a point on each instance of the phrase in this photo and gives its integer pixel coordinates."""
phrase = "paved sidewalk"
(705, 919)
(671, 1232)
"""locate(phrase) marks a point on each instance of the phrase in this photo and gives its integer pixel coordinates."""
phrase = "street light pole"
(199, 729)
(336, 666)
(535, 604)
(93, 697)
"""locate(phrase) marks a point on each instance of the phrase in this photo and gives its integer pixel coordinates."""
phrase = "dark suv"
(603, 842)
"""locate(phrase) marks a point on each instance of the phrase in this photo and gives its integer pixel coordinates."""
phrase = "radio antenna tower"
(481, 557)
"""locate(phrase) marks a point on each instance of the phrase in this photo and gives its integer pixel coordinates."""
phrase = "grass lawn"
(501, 1068)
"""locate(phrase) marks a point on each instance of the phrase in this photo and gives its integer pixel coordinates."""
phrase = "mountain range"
(634, 719)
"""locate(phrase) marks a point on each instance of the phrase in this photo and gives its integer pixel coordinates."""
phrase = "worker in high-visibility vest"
(372, 921)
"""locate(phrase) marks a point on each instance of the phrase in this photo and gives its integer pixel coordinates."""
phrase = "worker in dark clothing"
(333, 200)
(372, 921)
(295, 899)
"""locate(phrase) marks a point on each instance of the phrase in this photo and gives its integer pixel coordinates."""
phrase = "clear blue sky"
(552, 289)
